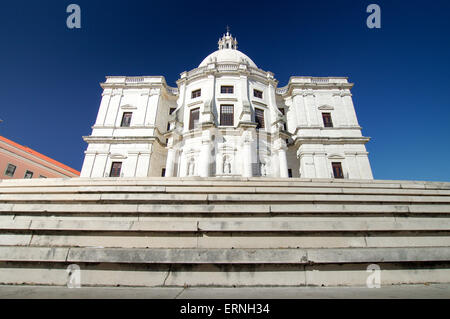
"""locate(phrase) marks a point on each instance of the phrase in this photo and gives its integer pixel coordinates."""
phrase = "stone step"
(224, 256)
(180, 209)
(261, 240)
(256, 231)
(234, 182)
(207, 198)
(222, 189)
(237, 225)
(242, 209)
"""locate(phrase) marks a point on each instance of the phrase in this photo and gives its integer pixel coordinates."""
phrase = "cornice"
(122, 140)
(298, 128)
(330, 140)
(259, 103)
(220, 68)
(139, 82)
(314, 83)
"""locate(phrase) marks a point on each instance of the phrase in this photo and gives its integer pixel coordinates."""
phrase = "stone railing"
(196, 71)
(282, 90)
(134, 79)
(227, 67)
(257, 72)
(320, 80)
(172, 90)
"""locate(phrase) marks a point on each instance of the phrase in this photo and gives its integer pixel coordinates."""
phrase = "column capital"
(280, 145)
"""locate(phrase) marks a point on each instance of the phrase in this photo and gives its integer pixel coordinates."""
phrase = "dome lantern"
(227, 41)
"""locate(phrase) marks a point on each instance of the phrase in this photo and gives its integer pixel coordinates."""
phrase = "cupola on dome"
(227, 52)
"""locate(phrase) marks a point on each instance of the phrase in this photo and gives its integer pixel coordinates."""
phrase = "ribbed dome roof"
(227, 55)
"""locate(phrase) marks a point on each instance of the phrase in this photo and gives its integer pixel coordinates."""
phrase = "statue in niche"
(226, 165)
(263, 169)
(191, 167)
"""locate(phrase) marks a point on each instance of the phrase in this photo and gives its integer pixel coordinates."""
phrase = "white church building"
(227, 118)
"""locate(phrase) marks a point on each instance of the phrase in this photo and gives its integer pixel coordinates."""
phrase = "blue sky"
(50, 75)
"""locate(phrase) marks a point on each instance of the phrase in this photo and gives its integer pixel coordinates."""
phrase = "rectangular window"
(194, 118)
(227, 89)
(337, 170)
(257, 93)
(327, 120)
(196, 93)
(290, 172)
(28, 174)
(10, 170)
(168, 126)
(227, 115)
(259, 118)
(163, 172)
(116, 167)
(126, 119)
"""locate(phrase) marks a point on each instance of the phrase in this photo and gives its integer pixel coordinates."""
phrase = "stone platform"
(179, 232)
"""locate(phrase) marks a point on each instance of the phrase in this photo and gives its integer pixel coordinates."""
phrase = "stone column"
(320, 164)
(183, 164)
(364, 165)
(283, 162)
(104, 105)
(88, 164)
(311, 108)
(300, 109)
(247, 155)
(307, 169)
(348, 103)
(280, 146)
(204, 160)
(170, 162)
(205, 155)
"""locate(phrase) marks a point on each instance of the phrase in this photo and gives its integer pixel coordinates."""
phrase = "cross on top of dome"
(227, 41)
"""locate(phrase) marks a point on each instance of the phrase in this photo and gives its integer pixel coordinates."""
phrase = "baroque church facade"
(227, 118)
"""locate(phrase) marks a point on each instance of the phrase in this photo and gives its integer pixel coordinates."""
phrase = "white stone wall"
(141, 147)
(297, 141)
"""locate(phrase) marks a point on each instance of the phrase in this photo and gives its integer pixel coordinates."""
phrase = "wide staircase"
(223, 232)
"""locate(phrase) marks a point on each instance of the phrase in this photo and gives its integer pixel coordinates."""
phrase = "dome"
(227, 55)
(227, 52)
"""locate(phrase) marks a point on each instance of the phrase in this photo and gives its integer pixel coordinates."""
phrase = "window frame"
(191, 120)
(224, 118)
(341, 170)
(224, 89)
(126, 115)
(13, 172)
(258, 126)
(256, 95)
(112, 168)
(27, 172)
(327, 115)
(194, 93)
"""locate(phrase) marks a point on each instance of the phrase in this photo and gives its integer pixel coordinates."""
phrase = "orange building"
(17, 161)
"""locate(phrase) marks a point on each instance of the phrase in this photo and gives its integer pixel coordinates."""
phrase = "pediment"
(117, 156)
(128, 107)
(326, 107)
(336, 156)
